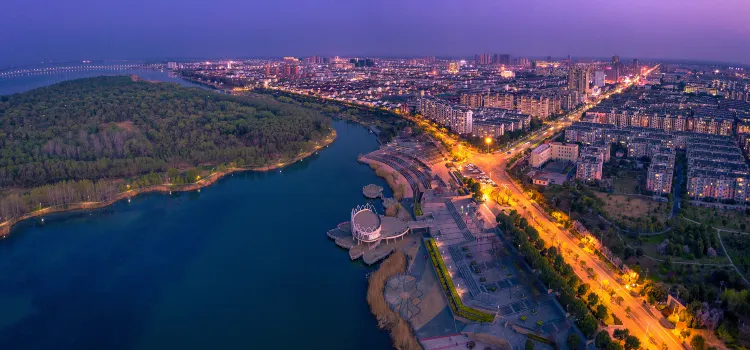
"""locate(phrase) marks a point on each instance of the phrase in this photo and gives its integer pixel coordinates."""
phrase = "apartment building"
(589, 168)
(457, 118)
(489, 128)
(659, 178)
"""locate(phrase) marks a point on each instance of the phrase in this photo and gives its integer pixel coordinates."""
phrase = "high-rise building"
(314, 60)
(636, 67)
(584, 76)
(172, 65)
(572, 85)
(483, 59)
(578, 79)
(503, 59)
(524, 62)
(599, 78)
(616, 68)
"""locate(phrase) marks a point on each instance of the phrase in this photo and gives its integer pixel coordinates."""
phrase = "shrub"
(454, 300)
(698, 343)
(573, 341)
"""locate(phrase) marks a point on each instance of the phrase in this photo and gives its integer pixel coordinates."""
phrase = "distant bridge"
(67, 68)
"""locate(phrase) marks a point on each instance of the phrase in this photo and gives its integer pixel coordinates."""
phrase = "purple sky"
(35, 30)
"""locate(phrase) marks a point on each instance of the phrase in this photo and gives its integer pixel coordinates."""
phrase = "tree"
(529, 344)
(601, 312)
(116, 128)
(632, 343)
(470, 344)
(573, 341)
(592, 299)
(698, 343)
(602, 340)
(621, 334)
(614, 346)
(588, 325)
(583, 289)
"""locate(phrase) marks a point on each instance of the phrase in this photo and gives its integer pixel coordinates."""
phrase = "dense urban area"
(547, 202)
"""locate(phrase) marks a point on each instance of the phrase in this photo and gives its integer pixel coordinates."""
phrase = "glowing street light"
(488, 141)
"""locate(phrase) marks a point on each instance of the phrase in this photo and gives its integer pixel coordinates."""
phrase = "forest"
(67, 142)
(115, 127)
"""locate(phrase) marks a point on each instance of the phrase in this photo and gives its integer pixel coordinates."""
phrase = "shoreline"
(6, 226)
(400, 330)
(400, 180)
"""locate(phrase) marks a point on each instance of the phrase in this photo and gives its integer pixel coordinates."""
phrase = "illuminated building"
(599, 78)
(482, 59)
(453, 67)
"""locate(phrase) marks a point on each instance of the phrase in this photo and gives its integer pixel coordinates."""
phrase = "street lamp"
(488, 141)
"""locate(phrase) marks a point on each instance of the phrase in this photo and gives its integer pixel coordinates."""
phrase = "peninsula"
(88, 143)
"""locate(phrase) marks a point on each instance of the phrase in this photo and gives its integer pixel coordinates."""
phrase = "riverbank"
(396, 181)
(400, 329)
(6, 226)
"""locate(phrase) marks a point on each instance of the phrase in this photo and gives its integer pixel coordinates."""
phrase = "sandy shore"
(5, 227)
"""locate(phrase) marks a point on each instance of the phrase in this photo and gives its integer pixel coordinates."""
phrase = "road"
(642, 321)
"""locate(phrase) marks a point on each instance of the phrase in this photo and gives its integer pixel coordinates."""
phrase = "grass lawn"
(728, 219)
(629, 183)
(736, 245)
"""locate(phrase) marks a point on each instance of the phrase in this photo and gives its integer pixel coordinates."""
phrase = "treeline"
(690, 241)
(18, 203)
(387, 122)
(115, 127)
(553, 269)
(15, 205)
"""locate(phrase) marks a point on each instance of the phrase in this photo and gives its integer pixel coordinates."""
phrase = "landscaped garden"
(454, 300)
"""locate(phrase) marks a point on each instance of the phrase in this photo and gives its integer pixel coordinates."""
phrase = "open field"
(628, 183)
(631, 209)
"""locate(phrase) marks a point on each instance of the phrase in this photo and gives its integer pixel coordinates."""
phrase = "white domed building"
(366, 223)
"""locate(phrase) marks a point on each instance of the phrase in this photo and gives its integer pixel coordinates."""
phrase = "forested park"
(87, 139)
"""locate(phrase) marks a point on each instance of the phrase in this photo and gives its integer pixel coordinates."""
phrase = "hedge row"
(553, 269)
(454, 300)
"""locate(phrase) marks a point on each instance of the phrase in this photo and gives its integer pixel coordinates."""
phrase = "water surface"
(242, 264)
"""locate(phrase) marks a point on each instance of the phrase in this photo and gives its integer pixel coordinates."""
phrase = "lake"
(242, 264)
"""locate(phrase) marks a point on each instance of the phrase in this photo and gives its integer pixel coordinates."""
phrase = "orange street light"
(488, 141)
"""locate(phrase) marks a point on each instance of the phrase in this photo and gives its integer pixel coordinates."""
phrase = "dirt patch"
(126, 125)
(630, 208)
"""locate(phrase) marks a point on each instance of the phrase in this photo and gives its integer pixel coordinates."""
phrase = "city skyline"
(145, 30)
